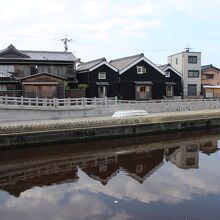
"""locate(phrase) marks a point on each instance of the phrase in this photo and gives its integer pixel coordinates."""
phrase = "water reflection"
(23, 169)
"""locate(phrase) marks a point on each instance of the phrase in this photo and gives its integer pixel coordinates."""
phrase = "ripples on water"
(173, 176)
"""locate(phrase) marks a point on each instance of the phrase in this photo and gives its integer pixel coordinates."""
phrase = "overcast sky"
(114, 28)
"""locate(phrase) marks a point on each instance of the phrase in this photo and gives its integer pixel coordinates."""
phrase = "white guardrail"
(23, 101)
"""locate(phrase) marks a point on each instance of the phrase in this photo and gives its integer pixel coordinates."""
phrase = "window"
(102, 75)
(192, 148)
(167, 74)
(3, 88)
(102, 168)
(141, 70)
(192, 90)
(209, 76)
(139, 168)
(193, 73)
(191, 161)
(176, 61)
(7, 68)
(192, 59)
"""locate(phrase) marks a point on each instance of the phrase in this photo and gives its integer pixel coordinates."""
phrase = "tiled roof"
(209, 66)
(27, 55)
(121, 63)
(89, 64)
(163, 67)
(50, 55)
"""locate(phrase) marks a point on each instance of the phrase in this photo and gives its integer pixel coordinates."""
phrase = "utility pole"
(66, 41)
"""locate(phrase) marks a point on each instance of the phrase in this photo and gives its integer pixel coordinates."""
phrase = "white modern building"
(186, 157)
(189, 64)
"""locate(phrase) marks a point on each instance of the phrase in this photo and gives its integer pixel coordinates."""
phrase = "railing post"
(6, 99)
(45, 101)
(116, 100)
(94, 101)
(36, 101)
(106, 100)
(69, 102)
(0, 100)
(83, 101)
(22, 101)
(55, 102)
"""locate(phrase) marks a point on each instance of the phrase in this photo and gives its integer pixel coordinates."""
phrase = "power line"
(66, 41)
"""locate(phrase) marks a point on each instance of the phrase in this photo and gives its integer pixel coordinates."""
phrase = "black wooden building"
(173, 81)
(139, 78)
(100, 76)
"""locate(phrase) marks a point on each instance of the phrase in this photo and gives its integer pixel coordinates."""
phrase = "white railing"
(45, 102)
(23, 101)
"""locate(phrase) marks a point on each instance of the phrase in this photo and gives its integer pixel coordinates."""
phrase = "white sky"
(113, 28)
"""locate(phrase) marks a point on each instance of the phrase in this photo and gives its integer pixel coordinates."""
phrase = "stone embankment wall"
(54, 131)
(26, 113)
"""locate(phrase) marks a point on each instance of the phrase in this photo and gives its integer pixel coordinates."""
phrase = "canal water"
(173, 176)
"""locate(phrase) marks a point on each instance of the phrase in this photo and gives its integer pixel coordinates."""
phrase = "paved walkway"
(63, 124)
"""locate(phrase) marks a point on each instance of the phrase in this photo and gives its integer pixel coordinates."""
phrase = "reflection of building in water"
(20, 173)
(138, 165)
(186, 157)
(101, 169)
(209, 147)
(141, 165)
(19, 180)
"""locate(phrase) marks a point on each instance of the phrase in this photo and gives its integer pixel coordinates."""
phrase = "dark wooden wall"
(41, 90)
(178, 89)
(90, 78)
(128, 78)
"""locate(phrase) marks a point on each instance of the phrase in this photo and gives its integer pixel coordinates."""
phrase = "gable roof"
(147, 173)
(11, 53)
(121, 63)
(90, 64)
(125, 63)
(93, 64)
(166, 67)
(38, 74)
(205, 67)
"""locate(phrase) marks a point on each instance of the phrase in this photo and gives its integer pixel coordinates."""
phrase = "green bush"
(66, 85)
(82, 86)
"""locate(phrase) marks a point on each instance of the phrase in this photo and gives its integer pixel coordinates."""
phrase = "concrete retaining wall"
(15, 134)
